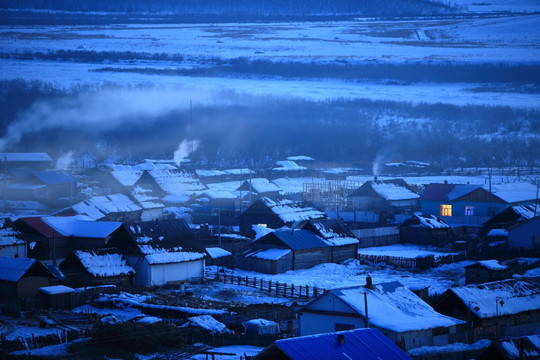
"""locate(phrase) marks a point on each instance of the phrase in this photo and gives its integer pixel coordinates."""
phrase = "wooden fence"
(272, 287)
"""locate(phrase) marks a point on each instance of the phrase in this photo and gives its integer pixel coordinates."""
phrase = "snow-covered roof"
(85, 208)
(290, 211)
(259, 185)
(217, 252)
(332, 237)
(300, 158)
(145, 199)
(104, 265)
(218, 194)
(207, 322)
(165, 257)
(56, 289)
(12, 269)
(288, 165)
(491, 265)
(177, 182)
(498, 232)
(19, 157)
(269, 254)
(431, 221)
(81, 226)
(526, 347)
(514, 192)
(261, 230)
(518, 296)
(10, 237)
(127, 176)
(106, 204)
(211, 173)
(391, 192)
(394, 307)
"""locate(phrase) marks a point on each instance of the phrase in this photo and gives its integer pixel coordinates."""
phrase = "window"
(469, 210)
(446, 210)
(342, 327)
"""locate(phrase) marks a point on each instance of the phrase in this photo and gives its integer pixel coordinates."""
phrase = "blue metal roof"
(300, 239)
(364, 344)
(54, 177)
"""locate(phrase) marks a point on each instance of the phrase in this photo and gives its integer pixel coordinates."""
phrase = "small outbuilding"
(22, 277)
(57, 297)
(486, 271)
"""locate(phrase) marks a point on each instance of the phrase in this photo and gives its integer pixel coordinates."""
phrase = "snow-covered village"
(235, 180)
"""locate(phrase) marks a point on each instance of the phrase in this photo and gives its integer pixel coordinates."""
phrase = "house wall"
(142, 270)
(410, 203)
(380, 236)
(319, 323)
(342, 253)
(458, 208)
(29, 286)
(283, 264)
(13, 250)
(526, 236)
(425, 236)
(479, 274)
(305, 259)
(161, 274)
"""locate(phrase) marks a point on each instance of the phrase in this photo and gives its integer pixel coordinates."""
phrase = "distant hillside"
(243, 8)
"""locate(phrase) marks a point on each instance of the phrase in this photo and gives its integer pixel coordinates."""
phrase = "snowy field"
(508, 39)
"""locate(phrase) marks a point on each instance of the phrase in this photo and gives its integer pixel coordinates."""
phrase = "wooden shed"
(22, 277)
(344, 243)
(425, 230)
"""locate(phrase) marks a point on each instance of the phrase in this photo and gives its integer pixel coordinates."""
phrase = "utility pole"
(490, 195)
(5, 182)
(365, 304)
(191, 120)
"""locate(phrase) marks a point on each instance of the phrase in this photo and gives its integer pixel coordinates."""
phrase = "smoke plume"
(185, 148)
(64, 161)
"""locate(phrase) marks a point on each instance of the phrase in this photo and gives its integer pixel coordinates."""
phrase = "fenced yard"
(273, 287)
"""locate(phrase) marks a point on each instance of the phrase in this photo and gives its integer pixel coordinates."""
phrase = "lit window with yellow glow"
(469, 210)
(446, 210)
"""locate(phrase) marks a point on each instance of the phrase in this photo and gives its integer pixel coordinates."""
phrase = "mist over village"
(269, 180)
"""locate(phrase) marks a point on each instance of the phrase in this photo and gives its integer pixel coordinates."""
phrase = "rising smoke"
(185, 148)
(101, 111)
(64, 161)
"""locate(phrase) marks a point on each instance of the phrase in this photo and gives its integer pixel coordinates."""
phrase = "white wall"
(13, 250)
(161, 274)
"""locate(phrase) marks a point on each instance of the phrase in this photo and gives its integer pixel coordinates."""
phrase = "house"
(11, 243)
(384, 197)
(474, 204)
(525, 235)
(114, 207)
(259, 187)
(510, 216)
(276, 214)
(344, 243)
(54, 237)
(393, 309)
(523, 348)
(359, 344)
(22, 277)
(288, 168)
(152, 208)
(214, 176)
(53, 187)
(486, 271)
(217, 207)
(500, 308)
(86, 268)
(425, 230)
(161, 252)
(219, 257)
(284, 250)
(179, 186)
(35, 161)
(376, 236)
(57, 297)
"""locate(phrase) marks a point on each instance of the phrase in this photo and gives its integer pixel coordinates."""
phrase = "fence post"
(255, 282)
(238, 279)
(262, 283)
(292, 290)
(277, 287)
(307, 291)
(315, 292)
(247, 280)
(285, 289)
(270, 286)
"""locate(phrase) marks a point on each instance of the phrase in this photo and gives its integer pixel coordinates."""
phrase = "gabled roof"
(331, 230)
(518, 296)
(37, 224)
(127, 176)
(425, 221)
(443, 192)
(514, 192)
(296, 239)
(177, 182)
(12, 269)
(81, 226)
(53, 177)
(390, 190)
(106, 265)
(524, 348)
(98, 206)
(290, 211)
(488, 264)
(10, 237)
(359, 344)
(288, 165)
(259, 185)
(392, 306)
(512, 215)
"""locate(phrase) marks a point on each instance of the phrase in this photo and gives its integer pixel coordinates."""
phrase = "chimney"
(375, 178)
(369, 282)
(446, 181)
(341, 339)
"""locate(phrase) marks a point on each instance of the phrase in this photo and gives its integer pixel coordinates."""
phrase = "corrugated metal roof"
(300, 239)
(437, 191)
(365, 344)
(40, 226)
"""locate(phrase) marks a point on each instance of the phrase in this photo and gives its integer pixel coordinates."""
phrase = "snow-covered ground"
(332, 276)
